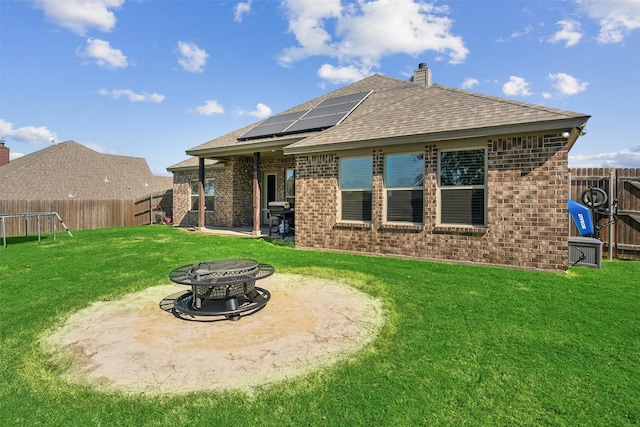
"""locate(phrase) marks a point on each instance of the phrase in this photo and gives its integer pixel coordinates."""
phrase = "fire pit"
(222, 287)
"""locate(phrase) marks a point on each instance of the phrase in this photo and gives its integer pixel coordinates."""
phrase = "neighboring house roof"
(403, 112)
(193, 163)
(69, 169)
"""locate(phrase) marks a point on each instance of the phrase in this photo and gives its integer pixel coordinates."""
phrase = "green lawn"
(462, 345)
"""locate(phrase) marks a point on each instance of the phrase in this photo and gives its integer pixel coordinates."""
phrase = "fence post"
(611, 223)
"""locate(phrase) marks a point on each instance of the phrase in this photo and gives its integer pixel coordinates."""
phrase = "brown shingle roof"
(230, 143)
(397, 111)
(70, 168)
(437, 113)
(193, 163)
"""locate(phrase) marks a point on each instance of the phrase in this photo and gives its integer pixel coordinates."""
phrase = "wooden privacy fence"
(622, 186)
(83, 214)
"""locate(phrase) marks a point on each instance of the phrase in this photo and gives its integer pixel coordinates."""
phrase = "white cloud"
(570, 33)
(13, 156)
(469, 83)
(192, 58)
(527, 29)
(306, 22)
(242, 9)
(28, 134)
(260, 112)
(566, 84)
(210, 108)
(625, 158)
(104, 55)
(95, 147)
(133, 96)
(360, 34)
(516, 86)
(404, 26)
(617, 19)
(80, 15)
(339, 75)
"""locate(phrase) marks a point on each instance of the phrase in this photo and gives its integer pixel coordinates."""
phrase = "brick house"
(386, 166)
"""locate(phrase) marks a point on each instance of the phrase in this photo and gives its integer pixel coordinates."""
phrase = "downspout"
(201, 224)
(256, 194)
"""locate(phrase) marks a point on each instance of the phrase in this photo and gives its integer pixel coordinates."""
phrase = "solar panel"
(314, 123)
(325, 111)
(273, 125)
(329, 112)
(285, 117)
(354, 97)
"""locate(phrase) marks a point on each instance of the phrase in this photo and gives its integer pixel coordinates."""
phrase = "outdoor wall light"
(566, 134)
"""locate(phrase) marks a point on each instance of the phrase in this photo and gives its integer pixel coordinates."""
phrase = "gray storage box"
(585, 252)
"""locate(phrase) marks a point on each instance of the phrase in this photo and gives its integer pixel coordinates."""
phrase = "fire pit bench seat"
(231, 282)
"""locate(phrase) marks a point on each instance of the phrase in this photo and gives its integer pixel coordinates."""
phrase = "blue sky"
(153, 78)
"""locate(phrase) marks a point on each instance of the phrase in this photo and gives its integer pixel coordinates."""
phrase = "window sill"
(409, 227)
(353, 225)
(460, 230)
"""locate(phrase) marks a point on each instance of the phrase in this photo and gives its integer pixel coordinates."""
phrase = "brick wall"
(233, 183)
(527, 190)
(240, 205)
(182, 213)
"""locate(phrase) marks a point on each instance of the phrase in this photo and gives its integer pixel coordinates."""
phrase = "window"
(208, 194)
(462, 181)
(290, 186)
(356, 182)
(404, 182)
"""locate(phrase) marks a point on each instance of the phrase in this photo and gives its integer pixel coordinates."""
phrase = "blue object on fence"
(581, 218)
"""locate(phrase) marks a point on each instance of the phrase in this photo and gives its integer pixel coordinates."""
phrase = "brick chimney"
(4, 153)
(422, 76)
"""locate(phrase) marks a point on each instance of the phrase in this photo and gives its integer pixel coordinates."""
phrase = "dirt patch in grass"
(132, 345)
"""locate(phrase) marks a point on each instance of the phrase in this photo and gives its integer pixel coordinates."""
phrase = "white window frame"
(194, 186)
(363, 189)
(388, 188)
(290, 196)
(446, 188)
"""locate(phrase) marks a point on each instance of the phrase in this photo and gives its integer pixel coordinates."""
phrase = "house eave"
(244, 149)
(220, 165)
(556, 125)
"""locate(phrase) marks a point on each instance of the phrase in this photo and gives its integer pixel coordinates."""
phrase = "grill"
(284, 216)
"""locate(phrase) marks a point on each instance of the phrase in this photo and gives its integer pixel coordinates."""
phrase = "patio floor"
(239, 231)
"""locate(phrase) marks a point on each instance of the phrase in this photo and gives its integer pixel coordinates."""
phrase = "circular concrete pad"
(132, 345)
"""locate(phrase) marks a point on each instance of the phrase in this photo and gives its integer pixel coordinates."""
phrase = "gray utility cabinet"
(585, 252)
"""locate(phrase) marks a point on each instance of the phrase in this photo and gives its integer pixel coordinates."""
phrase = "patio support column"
(201, 224)
(256, 194)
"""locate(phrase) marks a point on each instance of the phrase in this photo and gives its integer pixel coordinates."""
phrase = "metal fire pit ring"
(222, 287)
